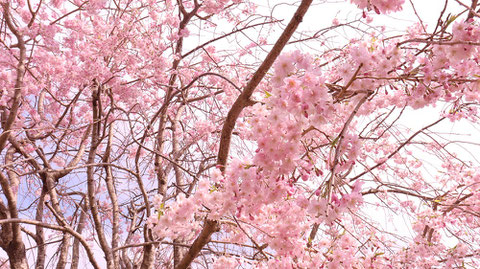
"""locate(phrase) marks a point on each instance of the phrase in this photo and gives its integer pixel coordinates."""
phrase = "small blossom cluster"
(380, 6)
(185, 210)
(297, 100)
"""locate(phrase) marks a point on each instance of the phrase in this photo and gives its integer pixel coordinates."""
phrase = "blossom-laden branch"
(242, 101)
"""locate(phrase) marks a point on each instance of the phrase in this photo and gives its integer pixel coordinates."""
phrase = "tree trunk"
(16, 255)
(148, 257)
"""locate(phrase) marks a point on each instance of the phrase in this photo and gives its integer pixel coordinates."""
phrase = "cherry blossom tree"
(238, 134)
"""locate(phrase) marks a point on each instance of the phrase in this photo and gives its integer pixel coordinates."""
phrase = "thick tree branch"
(243, 99)
(471, 12)
(112, 193)
(91, 183)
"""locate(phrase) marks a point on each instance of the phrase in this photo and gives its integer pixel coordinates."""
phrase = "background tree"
(169, 134)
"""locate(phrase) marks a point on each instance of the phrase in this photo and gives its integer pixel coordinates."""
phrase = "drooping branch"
(226, 35)
(329, 188)
(369, 170)
(340, 138)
